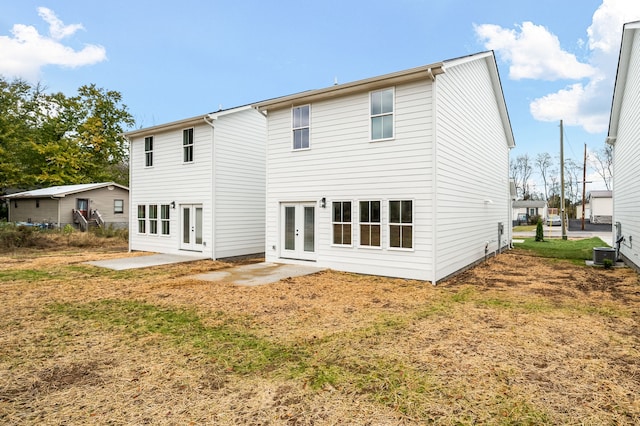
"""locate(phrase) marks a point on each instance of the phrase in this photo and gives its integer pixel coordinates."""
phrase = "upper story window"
(187, 145)
(300, 124)
(148, 151)
(382, 114)
(401, 224)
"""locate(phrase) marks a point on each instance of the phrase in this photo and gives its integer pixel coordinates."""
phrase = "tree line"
(54, 139)
(523, 167)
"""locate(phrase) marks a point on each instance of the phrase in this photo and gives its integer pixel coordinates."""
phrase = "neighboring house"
(524, 210)
(197, 185)
(104, 204)
(404, 175)
(600, 207)
(624, 136)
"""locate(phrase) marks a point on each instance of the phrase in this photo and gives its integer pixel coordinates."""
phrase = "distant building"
(83, 205)
(524, 210)
(600, 207)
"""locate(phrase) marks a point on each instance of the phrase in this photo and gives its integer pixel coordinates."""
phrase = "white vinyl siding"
(626, 173)
(341, 133)
(472, 167)
(447, 158)
(226, 178)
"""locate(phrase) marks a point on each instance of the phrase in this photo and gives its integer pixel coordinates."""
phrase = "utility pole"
(584, 182)
(564, 227)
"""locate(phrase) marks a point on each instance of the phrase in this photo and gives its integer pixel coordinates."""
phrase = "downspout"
(434, 178)
(213, 183)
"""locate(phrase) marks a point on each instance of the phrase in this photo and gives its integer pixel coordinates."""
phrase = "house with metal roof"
(82, 206)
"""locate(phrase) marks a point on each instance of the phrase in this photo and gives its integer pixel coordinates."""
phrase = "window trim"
(115, 209)
(293, 129)
(142, 220)
(165, 220)
(333, 223)
(153, 219)
(360, 223)
(148, 153)
(412, 224)
(392, 114)
(188, 147)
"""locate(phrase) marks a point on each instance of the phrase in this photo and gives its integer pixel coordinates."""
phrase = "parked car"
(554, 220)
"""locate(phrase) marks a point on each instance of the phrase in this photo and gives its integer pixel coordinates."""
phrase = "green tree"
(53, 139)
(539, 231)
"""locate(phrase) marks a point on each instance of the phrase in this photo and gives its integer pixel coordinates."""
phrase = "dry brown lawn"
(517, 340)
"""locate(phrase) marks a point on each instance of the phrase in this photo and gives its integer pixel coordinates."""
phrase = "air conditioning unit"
(600, 254)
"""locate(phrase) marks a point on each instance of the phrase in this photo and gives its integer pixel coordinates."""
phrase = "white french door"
(298, 231)
(191, 219)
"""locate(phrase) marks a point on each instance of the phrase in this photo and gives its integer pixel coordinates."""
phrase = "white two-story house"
(624, 136)
(197, 186)
(405, 174)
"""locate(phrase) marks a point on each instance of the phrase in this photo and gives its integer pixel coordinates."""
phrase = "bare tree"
(523, 171)
(544, 163)
(602, 161)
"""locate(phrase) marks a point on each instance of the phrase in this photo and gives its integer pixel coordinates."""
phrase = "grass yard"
(520, 339)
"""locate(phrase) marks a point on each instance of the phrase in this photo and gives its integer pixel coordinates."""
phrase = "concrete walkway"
(249, 275)
(258, 273)
(144, 261)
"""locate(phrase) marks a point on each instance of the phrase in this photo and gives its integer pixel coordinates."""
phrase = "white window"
(401, 224)
(342, 222)
(142, 209)
(153, 218)
(118, 206)
(370, 223)
(382, 114)
(300, 124)
(187, 145)
(148, 151)
(164, 218)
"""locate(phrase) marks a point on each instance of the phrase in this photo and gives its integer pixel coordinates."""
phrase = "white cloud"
(26, 51)
(533, 52)
(584, 104)
(606, 27)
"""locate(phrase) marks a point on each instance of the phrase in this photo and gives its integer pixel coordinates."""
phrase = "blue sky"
(174, 60)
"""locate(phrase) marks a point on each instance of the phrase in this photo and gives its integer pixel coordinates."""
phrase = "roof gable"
(626, 48)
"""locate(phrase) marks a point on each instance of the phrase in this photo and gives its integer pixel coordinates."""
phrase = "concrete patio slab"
(144, 261)
(258, 273)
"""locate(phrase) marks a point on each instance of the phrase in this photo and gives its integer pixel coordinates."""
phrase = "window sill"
(377, 248)
(342, 245)
(407, 250)
(300, 149)
(382, 140)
